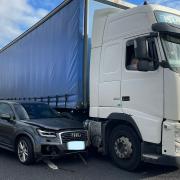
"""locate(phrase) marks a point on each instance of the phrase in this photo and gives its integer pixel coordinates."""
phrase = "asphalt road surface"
(74, 167)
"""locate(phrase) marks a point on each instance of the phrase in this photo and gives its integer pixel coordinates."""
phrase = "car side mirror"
(141, 48)
(143, 65)
(5, 117)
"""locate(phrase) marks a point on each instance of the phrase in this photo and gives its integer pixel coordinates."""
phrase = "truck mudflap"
(162, 159)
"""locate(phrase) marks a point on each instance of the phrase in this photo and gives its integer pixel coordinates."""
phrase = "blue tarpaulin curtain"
(48, 61)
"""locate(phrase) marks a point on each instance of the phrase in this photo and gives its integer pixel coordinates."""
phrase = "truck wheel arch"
(114, 120)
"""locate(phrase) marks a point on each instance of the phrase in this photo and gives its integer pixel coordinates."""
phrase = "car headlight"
(86, 124)
(45, 133)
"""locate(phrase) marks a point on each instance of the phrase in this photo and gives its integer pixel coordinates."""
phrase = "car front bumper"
(57, 147)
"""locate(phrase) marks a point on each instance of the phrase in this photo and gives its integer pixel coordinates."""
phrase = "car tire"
(125, 148)
(24, 150)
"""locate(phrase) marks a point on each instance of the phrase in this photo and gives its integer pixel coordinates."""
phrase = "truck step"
(150, 156)
(161, 160)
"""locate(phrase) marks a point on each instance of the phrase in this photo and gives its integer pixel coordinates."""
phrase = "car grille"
(73, 136)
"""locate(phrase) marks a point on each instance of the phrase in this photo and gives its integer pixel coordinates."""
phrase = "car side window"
(132, 61)
(6, 109)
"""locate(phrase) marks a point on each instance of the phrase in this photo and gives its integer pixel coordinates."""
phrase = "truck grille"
(73, 136)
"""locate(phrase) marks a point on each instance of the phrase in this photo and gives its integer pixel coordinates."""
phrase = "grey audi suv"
(35, 131)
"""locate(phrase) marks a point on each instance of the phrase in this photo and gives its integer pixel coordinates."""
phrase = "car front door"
(7, 127)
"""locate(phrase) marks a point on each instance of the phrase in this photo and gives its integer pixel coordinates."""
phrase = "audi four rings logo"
(76, 135)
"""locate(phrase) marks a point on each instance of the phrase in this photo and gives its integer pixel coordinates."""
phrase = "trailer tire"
(125, 148)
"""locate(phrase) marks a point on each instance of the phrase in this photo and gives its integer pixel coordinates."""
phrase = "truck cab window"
(132, 61)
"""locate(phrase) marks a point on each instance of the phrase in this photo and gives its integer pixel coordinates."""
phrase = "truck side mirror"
(143, 65)
(141, 48)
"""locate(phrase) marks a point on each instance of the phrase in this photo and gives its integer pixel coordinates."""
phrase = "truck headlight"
(45, 133)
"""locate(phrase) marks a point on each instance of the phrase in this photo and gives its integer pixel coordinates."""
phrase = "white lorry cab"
(135, 85)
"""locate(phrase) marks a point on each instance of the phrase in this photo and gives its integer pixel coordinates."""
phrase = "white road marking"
(51, 165)
(83, 159)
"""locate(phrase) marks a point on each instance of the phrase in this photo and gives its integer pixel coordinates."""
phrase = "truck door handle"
(125, 98)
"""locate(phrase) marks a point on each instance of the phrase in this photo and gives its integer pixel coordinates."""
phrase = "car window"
(6, 109)
(39, 111)
(21, 112)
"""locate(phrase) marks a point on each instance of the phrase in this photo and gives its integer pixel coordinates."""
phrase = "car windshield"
(171, 46)
(21, 112)
(35, 111)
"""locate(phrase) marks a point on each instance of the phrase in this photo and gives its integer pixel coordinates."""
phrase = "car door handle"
(125, 98)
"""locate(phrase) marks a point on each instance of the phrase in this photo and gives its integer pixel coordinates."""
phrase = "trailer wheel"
(125, 148)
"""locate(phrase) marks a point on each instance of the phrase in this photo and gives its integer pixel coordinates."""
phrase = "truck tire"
(24, 150)
(125, 148)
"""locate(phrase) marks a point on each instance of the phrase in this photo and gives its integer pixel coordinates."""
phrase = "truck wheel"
(25, 152)
(125, 148)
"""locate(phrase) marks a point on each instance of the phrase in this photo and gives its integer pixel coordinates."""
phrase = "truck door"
(142, 92)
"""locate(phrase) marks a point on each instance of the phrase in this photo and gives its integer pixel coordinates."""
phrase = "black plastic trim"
(151, 148)
(116, 119)
(126, 118)
(166, 28)
(164, 160)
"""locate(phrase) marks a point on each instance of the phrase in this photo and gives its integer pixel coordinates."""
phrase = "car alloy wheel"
(23, 151)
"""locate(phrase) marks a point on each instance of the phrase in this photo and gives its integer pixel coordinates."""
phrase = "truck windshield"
(37, 111)
(165, 17)
(171, 46)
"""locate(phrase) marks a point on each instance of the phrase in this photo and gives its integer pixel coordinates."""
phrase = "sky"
(18, 15)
